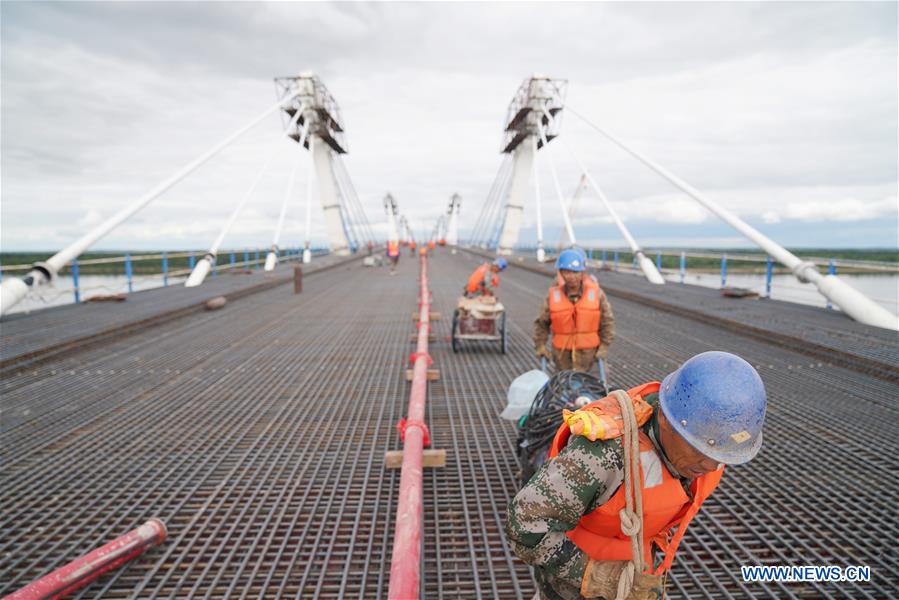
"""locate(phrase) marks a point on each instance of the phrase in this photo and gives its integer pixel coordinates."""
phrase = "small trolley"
(480, 318)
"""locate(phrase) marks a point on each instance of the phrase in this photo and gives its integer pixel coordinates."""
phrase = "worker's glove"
(602, 352)
(603, 579)
(592, 424)
(542, 352)
(646, 587)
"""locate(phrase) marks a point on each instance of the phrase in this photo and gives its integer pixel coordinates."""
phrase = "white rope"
(631, 515)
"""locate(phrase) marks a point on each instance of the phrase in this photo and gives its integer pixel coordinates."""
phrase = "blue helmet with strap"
(716, 401)
(501, 263)
(571, 260)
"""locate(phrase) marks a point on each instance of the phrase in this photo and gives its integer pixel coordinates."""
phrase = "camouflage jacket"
(606, 321)
(584, 476)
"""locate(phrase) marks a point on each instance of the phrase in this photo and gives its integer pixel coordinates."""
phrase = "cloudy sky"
(786, 113)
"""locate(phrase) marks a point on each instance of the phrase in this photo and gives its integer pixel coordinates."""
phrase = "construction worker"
(573, 520)
(578, 314)
(393, 255)
(412, 248)
(485, 279)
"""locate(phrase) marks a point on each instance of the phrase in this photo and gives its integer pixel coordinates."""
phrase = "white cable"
(308, 227)
(649, 269)
(12, 290)
(537, 197)
(289, 190)
(552, 169)
(854, 303)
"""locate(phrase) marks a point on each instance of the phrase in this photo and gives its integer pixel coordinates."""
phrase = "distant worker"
(573, 521)
(393, 255)
(485, 279)
(578, 314)
(412, 248)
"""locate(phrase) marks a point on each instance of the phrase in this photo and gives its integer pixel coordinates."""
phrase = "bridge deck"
(257, 433)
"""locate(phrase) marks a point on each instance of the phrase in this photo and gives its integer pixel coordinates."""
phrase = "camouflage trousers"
(583, 360)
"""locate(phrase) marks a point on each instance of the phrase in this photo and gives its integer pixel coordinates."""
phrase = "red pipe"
(404, 564)
(83, 570)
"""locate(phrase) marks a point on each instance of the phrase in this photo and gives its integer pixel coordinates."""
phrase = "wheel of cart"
(503, 334)
(455, 332)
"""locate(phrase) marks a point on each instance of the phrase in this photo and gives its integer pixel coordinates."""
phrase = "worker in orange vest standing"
(484, 280)
(393, 255)
(624, 471)
(578, 314)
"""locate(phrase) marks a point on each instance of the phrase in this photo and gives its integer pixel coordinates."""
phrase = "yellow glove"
(602, 352)
(542, 352)
(586, 423)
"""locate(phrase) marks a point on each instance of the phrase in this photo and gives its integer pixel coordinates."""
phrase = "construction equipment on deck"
(481, 318)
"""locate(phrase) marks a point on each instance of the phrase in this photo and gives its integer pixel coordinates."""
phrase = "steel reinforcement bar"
(406, 559)
(52, 351)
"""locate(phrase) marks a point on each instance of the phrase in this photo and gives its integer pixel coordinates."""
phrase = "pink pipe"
(83, 570)
(404, 564)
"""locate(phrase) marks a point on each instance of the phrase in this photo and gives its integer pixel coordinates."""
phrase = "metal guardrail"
(128, 260)
(872, 265)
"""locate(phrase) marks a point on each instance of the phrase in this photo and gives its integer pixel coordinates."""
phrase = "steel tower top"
(318, 106)
(526, 110)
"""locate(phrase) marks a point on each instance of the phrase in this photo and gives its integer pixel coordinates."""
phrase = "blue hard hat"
(571, 260)
(501, 263)
(716, 402)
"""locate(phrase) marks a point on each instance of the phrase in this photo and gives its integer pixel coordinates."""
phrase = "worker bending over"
(579, 315)
(485, 279)
(572, 521)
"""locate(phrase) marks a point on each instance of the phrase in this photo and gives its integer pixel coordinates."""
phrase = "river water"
(883, 289)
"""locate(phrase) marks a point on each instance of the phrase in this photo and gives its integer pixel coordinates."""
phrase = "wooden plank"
(433, 374)
(414, 338)
(433, 316)
(393, 459)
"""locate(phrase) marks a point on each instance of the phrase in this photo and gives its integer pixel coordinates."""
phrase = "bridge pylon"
(321, 118)
(522, 140)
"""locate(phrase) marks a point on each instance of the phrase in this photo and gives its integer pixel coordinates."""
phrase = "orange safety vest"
(476, 281)
(575, 326)
(665, 503)
(393, 249)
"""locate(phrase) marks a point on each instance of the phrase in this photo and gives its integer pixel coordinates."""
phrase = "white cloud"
(792, 121)
(846, 210)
